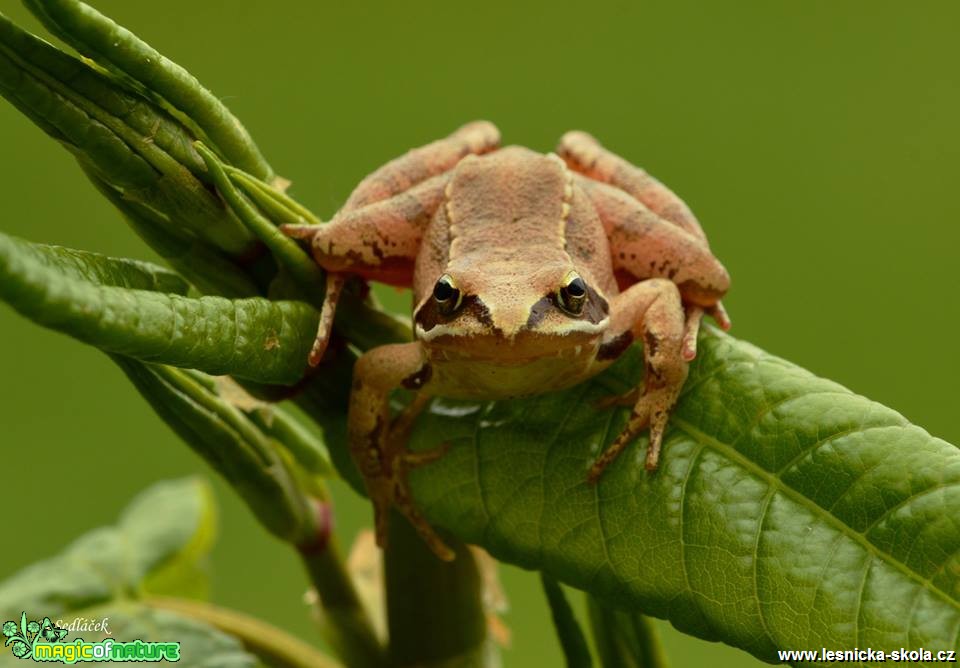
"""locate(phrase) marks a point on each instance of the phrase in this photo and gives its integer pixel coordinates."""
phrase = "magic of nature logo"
(44, 641)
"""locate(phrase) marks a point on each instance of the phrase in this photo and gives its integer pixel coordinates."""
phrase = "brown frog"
(530, 273)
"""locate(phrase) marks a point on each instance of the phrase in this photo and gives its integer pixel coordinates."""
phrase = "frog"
(530, 272)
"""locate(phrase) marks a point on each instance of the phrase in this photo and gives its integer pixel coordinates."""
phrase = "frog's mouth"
(526, 346)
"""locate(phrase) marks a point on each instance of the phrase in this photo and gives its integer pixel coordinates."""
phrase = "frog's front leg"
(379, 445)
(378, 242)
(652, 311)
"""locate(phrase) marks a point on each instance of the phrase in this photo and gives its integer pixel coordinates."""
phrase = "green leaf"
(95, 35)
(126, 573)
(572, 641)
(125, 139)
(159, 546)
(201, 645)
(262, 340)
(787, 512)
(232, 444)
(209, 269)
(298, 261)
(624, 639)
(91, 267)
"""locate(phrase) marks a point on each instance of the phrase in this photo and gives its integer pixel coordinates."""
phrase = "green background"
(817, 141)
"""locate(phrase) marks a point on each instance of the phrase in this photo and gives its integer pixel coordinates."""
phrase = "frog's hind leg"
(650, 310)
(379, 445)
(643, 245)
(425, 162)
(584, 154)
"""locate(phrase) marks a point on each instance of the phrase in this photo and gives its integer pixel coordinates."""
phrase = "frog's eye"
(447, 295)
(572, 295)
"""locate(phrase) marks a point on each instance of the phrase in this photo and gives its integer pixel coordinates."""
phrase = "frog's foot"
(392, 490)
(654, 312)
(378, 444)
(650, 410)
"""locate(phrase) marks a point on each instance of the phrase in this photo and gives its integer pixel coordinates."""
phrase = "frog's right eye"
(447, 295)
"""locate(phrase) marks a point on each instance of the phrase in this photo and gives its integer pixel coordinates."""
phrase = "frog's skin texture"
(530, 273)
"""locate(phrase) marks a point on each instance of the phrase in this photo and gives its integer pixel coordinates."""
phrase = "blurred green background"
(817, 141)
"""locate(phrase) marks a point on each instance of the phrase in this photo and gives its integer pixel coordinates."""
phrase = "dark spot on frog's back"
(417, 380)
(428, 316)
(612, 349)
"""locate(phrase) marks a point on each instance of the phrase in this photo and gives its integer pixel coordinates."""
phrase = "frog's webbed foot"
(651, 309)
(379, 445)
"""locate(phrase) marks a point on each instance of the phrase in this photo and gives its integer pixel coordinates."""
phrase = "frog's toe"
(618, 400)
(639, 419)
(720, 315)
(404, 503)
(411, 459)
(688, 345)
(381, 499)
(651, 410)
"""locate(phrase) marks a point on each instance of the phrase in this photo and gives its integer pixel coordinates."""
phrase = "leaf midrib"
(795, 495)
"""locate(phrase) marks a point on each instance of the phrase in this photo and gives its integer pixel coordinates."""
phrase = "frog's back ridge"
(514, 193)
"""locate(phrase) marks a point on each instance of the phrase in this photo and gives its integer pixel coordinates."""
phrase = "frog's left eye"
(572, 295)
(447, 295)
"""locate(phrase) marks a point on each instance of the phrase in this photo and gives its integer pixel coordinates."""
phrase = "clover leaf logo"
(27, 634)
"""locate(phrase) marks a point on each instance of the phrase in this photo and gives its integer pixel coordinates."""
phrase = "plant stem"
(435, 609)
(274, 646)
(345, 623)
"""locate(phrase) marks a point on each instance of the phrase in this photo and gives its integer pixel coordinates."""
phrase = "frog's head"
(493, 312)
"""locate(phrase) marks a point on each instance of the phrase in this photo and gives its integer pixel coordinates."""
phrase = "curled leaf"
(98, 37)
(262, 340)
(129, 142)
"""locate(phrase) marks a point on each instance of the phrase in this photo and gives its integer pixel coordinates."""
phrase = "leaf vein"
(798, 498)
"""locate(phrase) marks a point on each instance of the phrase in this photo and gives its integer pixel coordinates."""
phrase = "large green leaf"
(787, 513)
(258, 339)
(159, 546)
(125, 574)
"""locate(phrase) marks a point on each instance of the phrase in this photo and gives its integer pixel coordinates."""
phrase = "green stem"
(345, 622)
(275, 647)
(434, 608)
